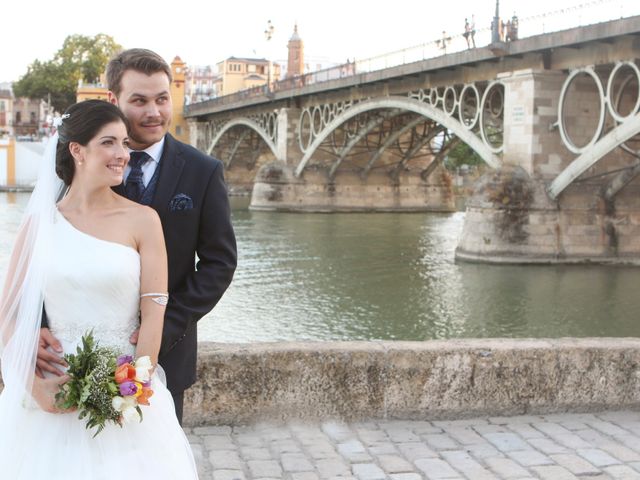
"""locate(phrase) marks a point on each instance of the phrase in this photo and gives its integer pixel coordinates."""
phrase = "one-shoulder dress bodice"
(92, 284)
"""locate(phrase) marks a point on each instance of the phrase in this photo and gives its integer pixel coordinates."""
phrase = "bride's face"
(105, 156)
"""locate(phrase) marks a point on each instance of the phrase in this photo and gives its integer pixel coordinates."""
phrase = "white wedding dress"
(95, 284)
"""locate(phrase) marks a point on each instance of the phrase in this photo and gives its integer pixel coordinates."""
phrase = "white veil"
(22, 296)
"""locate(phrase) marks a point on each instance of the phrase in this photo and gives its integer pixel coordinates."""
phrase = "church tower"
(179, 126)
(295, 63)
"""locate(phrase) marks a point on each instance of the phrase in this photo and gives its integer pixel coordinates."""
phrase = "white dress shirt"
(149, 168)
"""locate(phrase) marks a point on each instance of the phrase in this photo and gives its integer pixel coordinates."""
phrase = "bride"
(96, 261)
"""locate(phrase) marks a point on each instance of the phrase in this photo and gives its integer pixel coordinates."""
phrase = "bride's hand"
(48, 360)
(44, 392)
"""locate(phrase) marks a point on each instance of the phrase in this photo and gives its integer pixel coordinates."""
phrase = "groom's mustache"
(148, 123)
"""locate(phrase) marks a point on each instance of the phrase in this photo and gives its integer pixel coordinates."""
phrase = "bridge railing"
(586, 13)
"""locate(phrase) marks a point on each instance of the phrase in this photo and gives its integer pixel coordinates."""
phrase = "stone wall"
(443, 379)
(276, 188)
(412, 380)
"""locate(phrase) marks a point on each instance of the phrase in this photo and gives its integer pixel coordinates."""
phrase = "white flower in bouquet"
(130, 415)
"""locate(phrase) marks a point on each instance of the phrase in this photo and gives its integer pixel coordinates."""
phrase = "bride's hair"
(80, 123)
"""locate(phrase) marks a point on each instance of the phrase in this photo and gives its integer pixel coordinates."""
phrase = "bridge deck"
(577, 38)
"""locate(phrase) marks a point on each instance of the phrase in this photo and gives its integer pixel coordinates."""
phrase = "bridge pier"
(512, 218)
(277, 188)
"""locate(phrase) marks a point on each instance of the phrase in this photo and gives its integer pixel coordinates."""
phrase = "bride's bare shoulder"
(143, 220)
(138, 213)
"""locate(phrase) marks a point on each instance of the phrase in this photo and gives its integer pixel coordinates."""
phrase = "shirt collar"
(154, 151)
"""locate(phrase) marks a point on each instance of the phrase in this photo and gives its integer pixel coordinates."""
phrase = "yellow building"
(235, 74)
(179, 126)
(91, 91)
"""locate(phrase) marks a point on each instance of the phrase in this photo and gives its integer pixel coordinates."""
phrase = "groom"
(187, 189)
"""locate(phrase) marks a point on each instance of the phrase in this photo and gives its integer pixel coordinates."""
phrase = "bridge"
(555, 117)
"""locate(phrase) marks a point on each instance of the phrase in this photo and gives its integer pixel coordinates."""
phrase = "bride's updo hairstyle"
(81, 123)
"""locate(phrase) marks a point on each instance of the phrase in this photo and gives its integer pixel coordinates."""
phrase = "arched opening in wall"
(243, 151)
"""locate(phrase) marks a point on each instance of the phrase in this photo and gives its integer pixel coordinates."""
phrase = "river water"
(391, 276)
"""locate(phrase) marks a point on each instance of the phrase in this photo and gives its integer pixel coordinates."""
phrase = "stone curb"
(245, 383)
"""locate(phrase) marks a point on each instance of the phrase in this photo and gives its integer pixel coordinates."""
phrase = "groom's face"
(146, 102)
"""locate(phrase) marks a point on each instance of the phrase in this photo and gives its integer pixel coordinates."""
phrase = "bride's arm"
(153, 279)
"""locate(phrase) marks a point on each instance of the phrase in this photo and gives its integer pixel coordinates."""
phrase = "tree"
(462, 154)
(80, 58)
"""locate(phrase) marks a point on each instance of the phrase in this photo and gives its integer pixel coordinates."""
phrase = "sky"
(204, 33)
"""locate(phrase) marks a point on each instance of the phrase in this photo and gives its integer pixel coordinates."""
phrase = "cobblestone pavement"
(555, 447)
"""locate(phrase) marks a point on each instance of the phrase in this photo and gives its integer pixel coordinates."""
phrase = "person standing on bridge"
(472, 30)
(187, 189)
(467, 33)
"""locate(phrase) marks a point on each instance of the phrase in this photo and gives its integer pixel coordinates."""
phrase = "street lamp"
(268, 34)
(495, 26)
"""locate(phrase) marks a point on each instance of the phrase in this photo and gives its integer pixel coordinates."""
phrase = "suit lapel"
(171, 166)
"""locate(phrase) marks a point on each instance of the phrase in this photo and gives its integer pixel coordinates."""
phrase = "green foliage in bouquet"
(92, 385)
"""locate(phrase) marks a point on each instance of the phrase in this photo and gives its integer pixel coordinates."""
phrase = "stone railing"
(412, 380)
(244, 383)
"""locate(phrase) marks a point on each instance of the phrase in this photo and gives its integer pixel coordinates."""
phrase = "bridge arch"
(403, 104)
(247, 123)
(616, 137)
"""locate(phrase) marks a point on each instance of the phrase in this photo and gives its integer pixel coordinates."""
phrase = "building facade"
(92, 91)
(6, 113)
(31, 116)
(235, 74)
(200, 83)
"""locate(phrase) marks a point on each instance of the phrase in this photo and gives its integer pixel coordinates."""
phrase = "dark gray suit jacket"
(204, 229)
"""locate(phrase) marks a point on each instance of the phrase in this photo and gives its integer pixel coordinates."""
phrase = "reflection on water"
(392, 276)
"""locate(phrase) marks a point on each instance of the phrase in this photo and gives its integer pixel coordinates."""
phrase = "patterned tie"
(134, 187)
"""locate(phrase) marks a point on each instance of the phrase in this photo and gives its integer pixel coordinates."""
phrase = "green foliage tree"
(462, 154)
(79, 58)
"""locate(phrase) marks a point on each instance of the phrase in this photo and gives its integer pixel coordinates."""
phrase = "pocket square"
(180, 202)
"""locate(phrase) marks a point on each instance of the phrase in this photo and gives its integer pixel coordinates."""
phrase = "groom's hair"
(138, 59)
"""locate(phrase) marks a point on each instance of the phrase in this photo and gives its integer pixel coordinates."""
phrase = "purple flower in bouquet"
(122, 359)
(128, 388)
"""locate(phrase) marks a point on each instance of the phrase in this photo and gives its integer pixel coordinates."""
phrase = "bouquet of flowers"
(104, 385)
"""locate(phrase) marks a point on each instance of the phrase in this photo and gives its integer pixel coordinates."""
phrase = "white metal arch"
(374, 123)
(247, 123)
(611, 140)
(388, 142)
(410, 105)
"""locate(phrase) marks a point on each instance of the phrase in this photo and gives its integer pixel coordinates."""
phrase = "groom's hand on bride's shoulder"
(49, 350)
